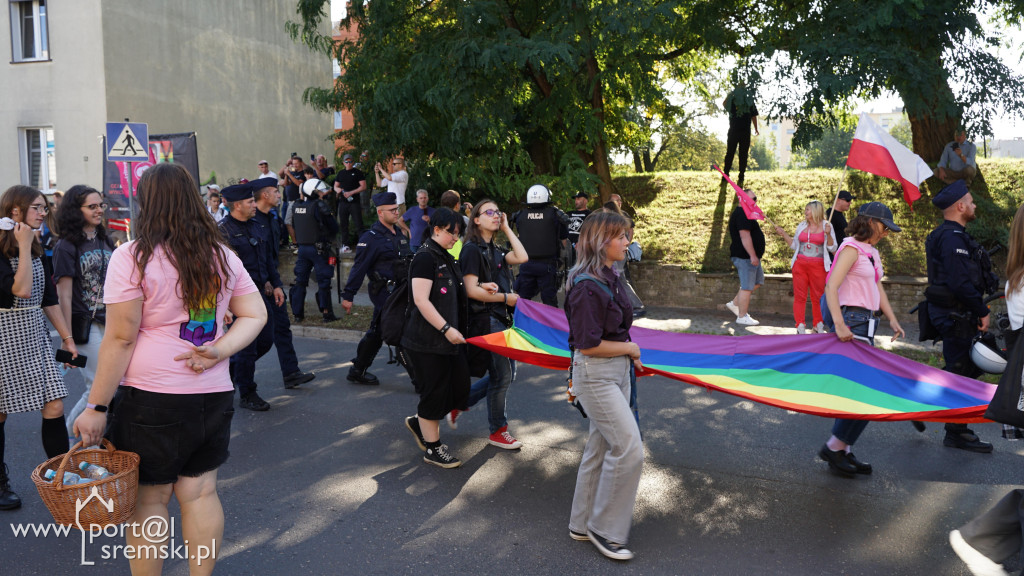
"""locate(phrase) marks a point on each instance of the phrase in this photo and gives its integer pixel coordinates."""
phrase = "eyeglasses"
(492, 212)
(41, 208)
(95, 206)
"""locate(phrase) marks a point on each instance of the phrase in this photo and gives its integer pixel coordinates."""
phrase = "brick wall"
(671, 286)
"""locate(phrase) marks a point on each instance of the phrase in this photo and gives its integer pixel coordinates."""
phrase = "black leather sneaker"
(252, 401)
(837, 461)
(362, 377)
(300, 377)
(966, 440)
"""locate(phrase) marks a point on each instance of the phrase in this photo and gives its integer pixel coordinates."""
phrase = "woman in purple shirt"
(600, 315)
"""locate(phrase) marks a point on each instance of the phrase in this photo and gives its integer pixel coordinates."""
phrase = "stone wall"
(665, 285)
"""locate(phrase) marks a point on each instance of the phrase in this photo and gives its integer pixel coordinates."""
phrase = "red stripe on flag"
(876, 159)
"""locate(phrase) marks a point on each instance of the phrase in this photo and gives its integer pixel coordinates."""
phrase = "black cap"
(346, 157)
(384, 199)
(879, 212)
(582, 194)
(261, 183)
(950, 195)
(845, 195)
(237, 192)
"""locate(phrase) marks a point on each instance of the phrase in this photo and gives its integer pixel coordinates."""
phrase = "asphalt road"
(329, 481)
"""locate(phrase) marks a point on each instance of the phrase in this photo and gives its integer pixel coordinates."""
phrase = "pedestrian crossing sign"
(127, 142)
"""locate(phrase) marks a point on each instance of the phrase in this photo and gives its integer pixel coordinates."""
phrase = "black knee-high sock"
(55, 436)
(3, 441)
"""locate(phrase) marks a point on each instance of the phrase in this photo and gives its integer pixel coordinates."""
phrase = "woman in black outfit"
(433, 336)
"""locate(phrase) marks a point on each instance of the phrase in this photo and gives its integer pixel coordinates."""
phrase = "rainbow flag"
(814, 374)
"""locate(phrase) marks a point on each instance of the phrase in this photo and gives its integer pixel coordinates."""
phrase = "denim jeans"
(494, 385)
(849, 430)
(609, 473)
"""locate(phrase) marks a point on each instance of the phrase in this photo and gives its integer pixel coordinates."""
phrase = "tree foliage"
(838, 50)
(762, 153)
(689, 146)
(505, 94)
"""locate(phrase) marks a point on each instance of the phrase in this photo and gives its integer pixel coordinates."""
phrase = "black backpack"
(395, 314)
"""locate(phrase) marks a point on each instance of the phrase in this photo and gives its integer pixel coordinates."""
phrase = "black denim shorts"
(173, 434)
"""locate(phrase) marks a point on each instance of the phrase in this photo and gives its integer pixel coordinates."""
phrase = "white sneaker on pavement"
(733, 308)
(820, 328)
(747, 321)
(801, 328)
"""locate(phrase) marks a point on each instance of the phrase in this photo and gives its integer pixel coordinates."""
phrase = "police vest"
(538, 231)
(307, 228)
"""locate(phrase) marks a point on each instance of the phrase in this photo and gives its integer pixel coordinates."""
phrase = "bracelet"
(445, 327)
(65, 338)
(504, 297)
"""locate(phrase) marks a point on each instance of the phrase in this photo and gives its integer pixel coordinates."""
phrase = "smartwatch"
(97, 407)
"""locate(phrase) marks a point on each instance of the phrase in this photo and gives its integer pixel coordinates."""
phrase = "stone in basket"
(99, 502)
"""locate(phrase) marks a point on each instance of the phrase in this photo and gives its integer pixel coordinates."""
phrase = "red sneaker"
(502, 439)
(451, 418)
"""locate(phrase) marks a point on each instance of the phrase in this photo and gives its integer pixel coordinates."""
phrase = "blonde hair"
(817, 211)
(597, 231)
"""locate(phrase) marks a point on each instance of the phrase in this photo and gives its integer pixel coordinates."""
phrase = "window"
(337, 120)
(29, 38)
(38, 162)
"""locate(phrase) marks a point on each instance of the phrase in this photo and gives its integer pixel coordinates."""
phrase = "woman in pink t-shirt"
(856, 299)
(167, 294)
(812, 244)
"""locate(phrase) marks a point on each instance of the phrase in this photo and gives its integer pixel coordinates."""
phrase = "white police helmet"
(313, 185)
(987, 356)
(538, 194)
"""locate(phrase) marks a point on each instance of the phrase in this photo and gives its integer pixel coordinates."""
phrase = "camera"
(956, 145)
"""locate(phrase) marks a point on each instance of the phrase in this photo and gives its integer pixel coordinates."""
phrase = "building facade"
(225, 69)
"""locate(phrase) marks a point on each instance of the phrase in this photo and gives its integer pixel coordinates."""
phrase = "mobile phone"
(64, 357)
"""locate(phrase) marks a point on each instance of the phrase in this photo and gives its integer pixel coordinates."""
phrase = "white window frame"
(47, 178)
(40, 31)
(337, 120)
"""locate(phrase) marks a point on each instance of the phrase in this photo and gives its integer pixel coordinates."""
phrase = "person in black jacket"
(30, 378)
(433, 337)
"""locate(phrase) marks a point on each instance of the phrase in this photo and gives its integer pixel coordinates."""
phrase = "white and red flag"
(750, 208)
(875, 151)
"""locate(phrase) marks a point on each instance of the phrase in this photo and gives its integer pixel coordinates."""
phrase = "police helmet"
(986, 355)
(313, 185)
(538, 194)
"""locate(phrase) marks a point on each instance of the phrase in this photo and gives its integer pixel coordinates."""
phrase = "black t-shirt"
(291, 191)
(739, 221)
(576, 218)
(472, 261)
(86, 265)
(349, 180)
(839, 224)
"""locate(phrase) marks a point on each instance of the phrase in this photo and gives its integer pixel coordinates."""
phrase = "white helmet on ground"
(313, 184)
(538, 194)
(987, 356)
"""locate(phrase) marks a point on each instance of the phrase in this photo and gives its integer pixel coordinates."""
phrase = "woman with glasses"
(856, 299)
(488, 279)
(433, 337)
(30, 378)
(80, 261)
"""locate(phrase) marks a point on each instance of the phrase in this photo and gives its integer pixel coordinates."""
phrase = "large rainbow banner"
(814, 374)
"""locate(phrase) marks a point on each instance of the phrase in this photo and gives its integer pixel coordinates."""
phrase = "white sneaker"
(345, 249)
(977, 563)
(733, 308)
(820, 328)
(801, 328)
(747, 321)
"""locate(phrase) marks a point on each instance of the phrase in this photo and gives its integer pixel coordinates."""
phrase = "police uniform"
(315, 227)
(959, 275)
(378, 253)
(278, 323)
(541, 228)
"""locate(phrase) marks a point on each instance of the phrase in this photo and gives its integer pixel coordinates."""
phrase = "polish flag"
(750, 208)
(875, 151)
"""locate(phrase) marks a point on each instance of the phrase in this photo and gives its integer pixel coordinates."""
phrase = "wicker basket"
(120, 488)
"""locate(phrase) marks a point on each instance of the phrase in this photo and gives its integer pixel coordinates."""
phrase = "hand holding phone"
(64, 357)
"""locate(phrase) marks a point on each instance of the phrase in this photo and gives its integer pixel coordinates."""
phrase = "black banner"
(178, 148)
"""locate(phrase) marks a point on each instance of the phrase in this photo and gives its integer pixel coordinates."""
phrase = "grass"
(358, 320)
(682, 217)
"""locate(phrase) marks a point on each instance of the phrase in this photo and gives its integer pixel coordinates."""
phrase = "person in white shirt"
(265, 172)
(397, 180)
(213, 205)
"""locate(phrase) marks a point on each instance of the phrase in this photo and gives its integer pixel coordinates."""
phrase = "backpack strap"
(601, 284)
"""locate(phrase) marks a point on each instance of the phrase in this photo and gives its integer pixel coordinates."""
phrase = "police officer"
(382, 254)
(278, 327)
(543, 230)
(313, 227)
(959, 276)
(253, 246)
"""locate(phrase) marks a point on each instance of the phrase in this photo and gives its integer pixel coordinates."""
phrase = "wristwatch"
(97, 407)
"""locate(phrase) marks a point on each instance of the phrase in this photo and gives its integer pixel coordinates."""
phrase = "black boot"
(356, 376)
(8, 499)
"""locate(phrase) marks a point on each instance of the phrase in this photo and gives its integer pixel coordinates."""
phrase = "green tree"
(504, 94)
(837, 50)
(762, 153)
(689, 146)
(902, 133)
(832, 147)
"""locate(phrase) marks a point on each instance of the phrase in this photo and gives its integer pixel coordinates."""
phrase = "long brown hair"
(473, 230)
(597, 231)
(1015, 260)
(172, 215)
(20, 197)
